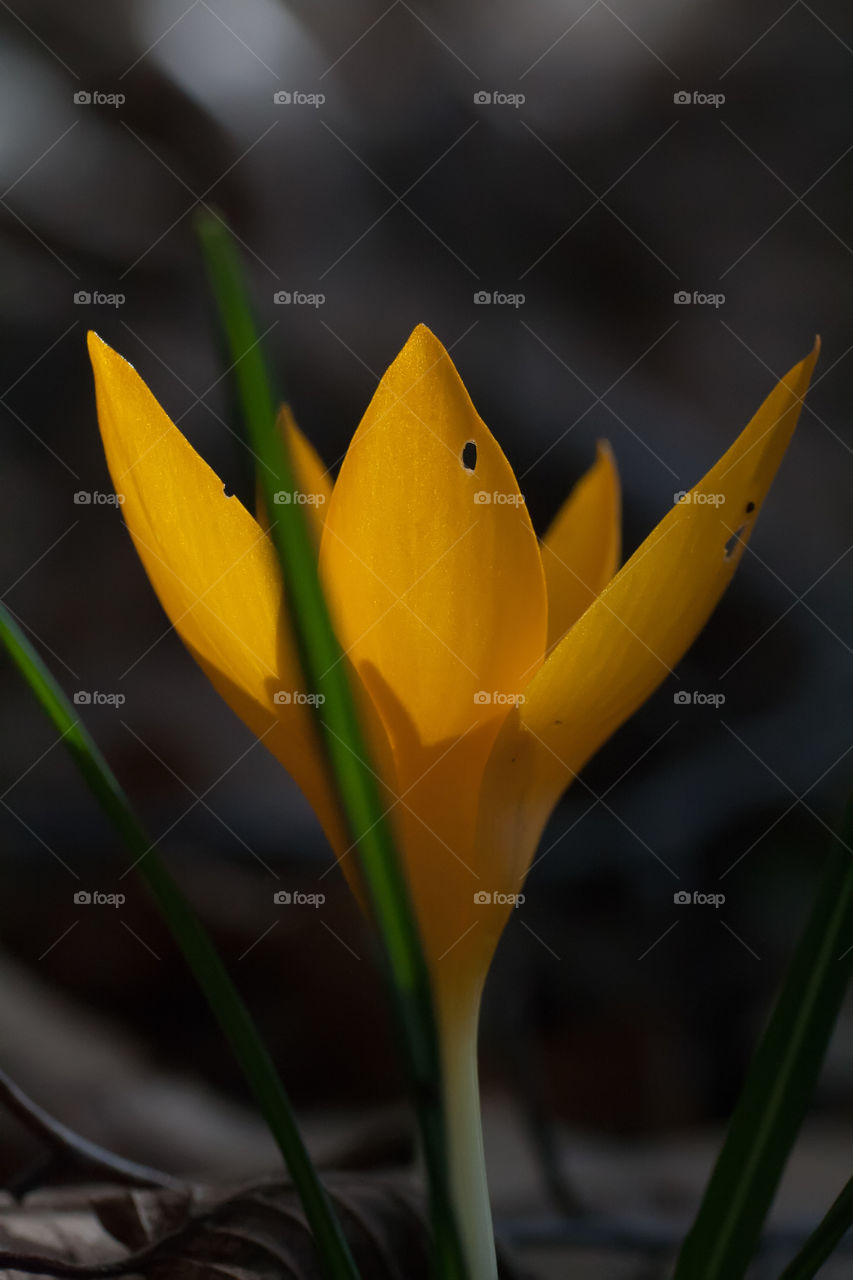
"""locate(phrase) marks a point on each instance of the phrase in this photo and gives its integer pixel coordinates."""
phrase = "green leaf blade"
(780, 1082)
(326, 674)
(198, 950)
(824, 1239)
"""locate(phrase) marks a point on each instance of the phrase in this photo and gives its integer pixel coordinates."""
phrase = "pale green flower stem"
(459, 1014)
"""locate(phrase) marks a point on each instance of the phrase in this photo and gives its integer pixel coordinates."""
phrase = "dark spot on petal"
(733, 543)
(469, 456)
(750, 507)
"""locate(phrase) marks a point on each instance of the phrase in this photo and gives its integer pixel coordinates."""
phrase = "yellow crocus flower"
(489, 665)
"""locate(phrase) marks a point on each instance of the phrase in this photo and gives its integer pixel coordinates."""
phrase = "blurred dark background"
(589, 186)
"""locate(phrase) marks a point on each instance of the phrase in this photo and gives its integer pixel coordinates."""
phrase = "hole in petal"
(469, 456)
(733, 542)
(750, 507)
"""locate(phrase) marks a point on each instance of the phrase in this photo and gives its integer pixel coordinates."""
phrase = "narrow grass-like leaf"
(198, 950)
(326, 674)
(780, 1081)
(824, 1239)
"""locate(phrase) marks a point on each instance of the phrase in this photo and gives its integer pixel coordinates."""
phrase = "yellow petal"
(214, 570)
(580, 551)
(435, 588)
(315, 479)
(433, 813)
(632, 636)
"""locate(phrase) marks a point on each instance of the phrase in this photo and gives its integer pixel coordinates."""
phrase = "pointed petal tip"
(422, 331)
(805, 367)
(582, 545)
(812, 358)
(809, 361)
(406, 520)
(424, 346)
(104, 358)
(606, 457)
(604, 449)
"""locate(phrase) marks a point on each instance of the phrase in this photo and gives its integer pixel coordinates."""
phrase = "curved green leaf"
(380, 866)
(780, 1081)
(824, 1239)
(199, 952)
